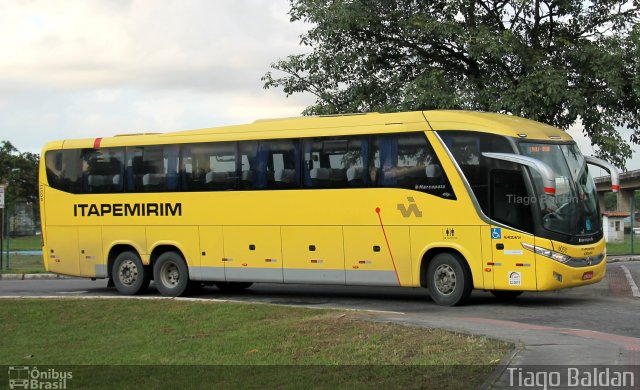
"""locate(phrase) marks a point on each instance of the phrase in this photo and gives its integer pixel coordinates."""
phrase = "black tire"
(171, 275)
(506, 295)
(449, 282)
(129, 275)
(233, 286)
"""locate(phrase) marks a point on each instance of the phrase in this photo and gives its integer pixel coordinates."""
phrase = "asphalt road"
(609, 306)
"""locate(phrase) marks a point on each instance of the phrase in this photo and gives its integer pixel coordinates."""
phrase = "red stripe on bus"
(388, 246)
(96, 143)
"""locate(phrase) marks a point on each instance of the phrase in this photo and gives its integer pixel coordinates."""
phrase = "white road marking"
(632, 283)
(71, 292)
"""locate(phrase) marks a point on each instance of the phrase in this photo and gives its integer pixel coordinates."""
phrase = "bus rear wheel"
(449, 282)
(129, 275)
(233, 286)
(170, 274)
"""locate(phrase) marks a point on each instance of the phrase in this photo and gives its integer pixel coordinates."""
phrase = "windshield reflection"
(574, 208)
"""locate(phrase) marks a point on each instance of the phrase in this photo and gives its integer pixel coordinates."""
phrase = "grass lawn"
(26, 243)
(22, 264)
(256, 344)
(624, 248)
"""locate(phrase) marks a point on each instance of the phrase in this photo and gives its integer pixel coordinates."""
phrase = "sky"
(89, 68)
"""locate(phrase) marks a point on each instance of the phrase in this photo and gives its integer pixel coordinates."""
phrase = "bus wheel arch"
(170, 271)
(446, 261)
(126, 270)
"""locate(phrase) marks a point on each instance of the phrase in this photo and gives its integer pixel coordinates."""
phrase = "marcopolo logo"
(412, 209)
(25, 377)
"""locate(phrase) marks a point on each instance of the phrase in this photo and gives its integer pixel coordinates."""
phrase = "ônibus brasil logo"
(25, 377)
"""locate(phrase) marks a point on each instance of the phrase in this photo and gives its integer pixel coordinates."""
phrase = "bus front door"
(514, 268)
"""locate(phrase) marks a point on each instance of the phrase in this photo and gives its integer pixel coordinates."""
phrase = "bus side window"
(335, 162)
(252, 171)
(407, 160)
(64, 170)
(103, 170)
(222, 160)
(467, 148)
(281, 158)
(152, 168)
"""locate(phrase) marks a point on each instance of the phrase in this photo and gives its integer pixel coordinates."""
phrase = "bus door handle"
(499, 246)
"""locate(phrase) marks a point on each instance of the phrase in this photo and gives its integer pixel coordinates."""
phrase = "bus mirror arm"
(545, 171)
(613, 171)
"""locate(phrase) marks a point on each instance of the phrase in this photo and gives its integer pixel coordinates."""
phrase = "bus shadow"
(321, 295)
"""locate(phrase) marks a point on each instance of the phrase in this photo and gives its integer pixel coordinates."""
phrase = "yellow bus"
(445, 200)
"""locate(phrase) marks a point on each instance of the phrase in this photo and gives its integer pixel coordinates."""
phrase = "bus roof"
(327, 125)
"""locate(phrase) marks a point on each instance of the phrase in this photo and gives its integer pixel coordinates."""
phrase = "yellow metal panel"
(253, 253)
(211, 246)
(486, 266)
(366, 249)
(185, 238)
(571, 276)
(127, 235)
(62, 250)
(508, 125)
(576, 251)
(317, 249)
(514, 267)
(325, 243)
(462, 239)
(90, 248)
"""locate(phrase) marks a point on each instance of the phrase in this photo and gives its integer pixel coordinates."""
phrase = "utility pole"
(633, 217)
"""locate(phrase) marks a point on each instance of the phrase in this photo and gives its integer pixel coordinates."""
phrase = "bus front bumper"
(553, 275)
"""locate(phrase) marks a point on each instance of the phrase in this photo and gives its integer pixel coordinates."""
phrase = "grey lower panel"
(294, 275)
(270, 275)
(319, 276)
(206, 273)
(372, 278)
(101, 271)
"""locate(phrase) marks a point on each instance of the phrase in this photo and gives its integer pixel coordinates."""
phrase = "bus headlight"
(559, 257)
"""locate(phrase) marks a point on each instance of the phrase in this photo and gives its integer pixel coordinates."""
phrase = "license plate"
(587, 275)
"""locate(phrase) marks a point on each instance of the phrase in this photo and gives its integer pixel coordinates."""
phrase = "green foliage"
(610, 201)
(19, 172)
(562, 62)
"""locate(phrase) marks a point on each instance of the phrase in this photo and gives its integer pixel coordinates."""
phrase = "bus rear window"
(64, 170)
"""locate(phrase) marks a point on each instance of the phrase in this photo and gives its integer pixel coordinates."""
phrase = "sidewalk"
(619, 258)
(535, 345)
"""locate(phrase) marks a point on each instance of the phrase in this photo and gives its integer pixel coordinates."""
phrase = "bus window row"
(403, 160)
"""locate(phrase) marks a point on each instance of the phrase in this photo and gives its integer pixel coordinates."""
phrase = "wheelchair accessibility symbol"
(496, 233)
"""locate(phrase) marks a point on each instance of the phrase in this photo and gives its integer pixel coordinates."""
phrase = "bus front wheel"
(170, 274)
(129, 274)
(449, 282)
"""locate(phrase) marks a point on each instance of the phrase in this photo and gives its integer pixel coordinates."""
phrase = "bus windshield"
(574, 208)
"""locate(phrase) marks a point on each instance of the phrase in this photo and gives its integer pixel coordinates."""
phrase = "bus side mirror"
(613, 171)
(545, 171)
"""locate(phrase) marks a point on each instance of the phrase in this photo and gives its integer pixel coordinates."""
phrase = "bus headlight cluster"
(559, 257)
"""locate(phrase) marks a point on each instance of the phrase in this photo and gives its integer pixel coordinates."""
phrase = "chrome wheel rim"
(128, 273)
(170, 275)
(445, 279)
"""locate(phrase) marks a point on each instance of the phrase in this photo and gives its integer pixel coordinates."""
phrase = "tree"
(563, 62)
(20, 172)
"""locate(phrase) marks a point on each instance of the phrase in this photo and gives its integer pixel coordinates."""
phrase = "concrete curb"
(623, 258)
(32, 276)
